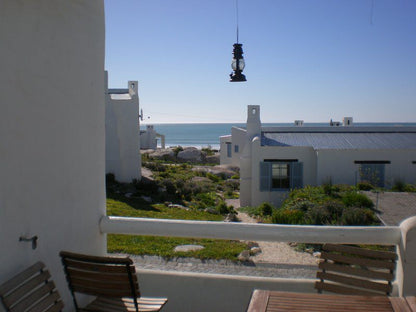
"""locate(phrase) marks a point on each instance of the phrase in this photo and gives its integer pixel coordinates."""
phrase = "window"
(228, 149)
(280, 175)
(235, 148)
(372, 172)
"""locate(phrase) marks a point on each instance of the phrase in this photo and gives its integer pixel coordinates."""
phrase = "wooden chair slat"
(25, 288)
(104, 285)
(355, 282)
(99, 267)
(358, 261)
(57, 307)
(35, 296)
(356, 271)
(386, 276)
(102, 292)
(46, 302)
(345, 290)
(14, 282)
(96, 259)
(100, 276)
(377, 254)
(109, 279)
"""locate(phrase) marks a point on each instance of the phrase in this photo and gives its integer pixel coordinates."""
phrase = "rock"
(211, 210)
(213, 159)
(244, 255)
(146, 198)
(231, 217)
(163, 154)
(178, 206)
(186, 248)
(255, 250)
(316, 254)
(191, 154)
(252, 244)
(128, 195)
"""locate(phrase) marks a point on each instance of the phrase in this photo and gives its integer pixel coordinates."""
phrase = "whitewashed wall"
(52, 132)
(123, 134)
(340, 167)
(306, 155)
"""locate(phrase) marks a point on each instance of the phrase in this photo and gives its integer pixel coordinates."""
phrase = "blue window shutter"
(296, 175)
(265, 176)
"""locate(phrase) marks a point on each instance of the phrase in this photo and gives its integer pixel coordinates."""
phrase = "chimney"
(253, 121)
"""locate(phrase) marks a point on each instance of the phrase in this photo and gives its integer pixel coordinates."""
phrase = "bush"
(266, 209)
(353, 199)
(365, 186)
(222, 208)
(286, 216)
(398, 186)
(318, 215)
(358, 216)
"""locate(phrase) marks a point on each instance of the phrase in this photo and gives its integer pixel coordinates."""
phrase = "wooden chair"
(112, 280)
(356, 271)
(31, 290)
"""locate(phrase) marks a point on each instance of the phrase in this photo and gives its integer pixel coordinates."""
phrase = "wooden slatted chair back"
(356, 271)
(31, 290)
(100, 276)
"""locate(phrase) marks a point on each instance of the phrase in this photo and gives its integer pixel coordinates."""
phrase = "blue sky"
(312, 60)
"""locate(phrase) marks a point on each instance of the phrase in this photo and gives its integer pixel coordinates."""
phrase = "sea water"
(208, 134)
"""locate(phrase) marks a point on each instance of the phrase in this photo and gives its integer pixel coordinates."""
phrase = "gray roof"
(341, 140)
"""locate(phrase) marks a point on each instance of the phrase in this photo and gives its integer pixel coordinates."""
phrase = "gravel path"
(274, 252)
(394, 207)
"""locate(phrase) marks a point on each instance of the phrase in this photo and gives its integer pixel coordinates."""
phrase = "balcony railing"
(403, 237)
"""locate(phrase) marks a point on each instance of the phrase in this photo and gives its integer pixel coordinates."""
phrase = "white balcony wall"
(52, 132)
(211, 292)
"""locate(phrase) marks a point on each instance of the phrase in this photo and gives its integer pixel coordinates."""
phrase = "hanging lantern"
(237, 64)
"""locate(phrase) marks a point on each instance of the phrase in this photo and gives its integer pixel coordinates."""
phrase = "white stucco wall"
(123, 134)
(52, 132)
(306, 155)
(340, 167)
(148, 138)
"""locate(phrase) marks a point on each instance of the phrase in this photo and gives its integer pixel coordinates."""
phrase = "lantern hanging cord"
(236, 9)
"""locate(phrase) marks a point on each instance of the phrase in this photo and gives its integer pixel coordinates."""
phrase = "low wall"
(211, 292)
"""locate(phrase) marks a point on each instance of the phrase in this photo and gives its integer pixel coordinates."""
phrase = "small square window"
(228, 149)
(235, 148)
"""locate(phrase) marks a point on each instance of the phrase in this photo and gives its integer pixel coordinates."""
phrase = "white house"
(148, 138)
(122, 131)
(273, 160)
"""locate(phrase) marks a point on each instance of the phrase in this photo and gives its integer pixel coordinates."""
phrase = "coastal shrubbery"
(322, 205)
(326, 205)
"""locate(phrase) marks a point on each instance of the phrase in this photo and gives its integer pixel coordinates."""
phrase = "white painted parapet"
(407, 247)
(385, 235)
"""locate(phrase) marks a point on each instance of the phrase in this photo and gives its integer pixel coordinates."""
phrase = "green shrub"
(365, 186)
(358, 216)
(318, 215)
(177, 149)
(213, 177)
(235, 177)
(286, 216)
(410, 188)
(222, 208)
(266, 209)
(398, 186)
(353, 199)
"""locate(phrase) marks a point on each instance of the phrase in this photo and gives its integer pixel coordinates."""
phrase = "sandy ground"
(274, 252)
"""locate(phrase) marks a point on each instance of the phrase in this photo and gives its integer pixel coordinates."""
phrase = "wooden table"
(264, 300)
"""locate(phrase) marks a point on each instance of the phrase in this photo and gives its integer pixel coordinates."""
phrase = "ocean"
(207, 134)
